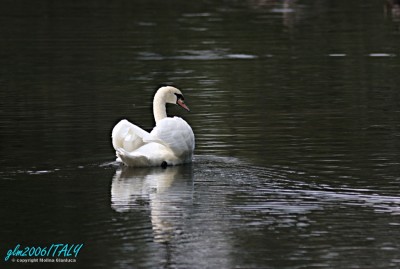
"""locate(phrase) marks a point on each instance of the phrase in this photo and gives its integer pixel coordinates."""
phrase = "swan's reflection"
(166, 192)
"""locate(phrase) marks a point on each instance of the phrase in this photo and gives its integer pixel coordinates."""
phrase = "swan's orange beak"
(182, 104)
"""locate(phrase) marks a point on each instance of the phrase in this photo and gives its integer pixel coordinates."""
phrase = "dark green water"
(295, 106)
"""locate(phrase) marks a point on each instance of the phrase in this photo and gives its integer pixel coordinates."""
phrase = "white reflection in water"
(167, 193)
(381, 55)
(215, 54)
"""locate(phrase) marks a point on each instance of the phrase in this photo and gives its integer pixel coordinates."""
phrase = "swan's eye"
(179, 96)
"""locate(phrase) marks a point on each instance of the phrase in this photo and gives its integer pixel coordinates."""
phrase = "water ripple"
(206, 55)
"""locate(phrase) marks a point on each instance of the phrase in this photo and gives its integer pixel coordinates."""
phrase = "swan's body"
(171, 142)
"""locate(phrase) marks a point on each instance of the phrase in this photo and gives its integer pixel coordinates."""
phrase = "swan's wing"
(172, 140)
(128, 136)
(174, 133)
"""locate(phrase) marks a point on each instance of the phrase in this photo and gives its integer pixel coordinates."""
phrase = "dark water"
(295, 108)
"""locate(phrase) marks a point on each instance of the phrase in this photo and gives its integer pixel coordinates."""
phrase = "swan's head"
(172, 95)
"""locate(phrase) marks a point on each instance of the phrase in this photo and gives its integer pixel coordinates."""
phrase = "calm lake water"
(296, 110)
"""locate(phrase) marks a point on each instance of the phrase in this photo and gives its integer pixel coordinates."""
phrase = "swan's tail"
(150, 154)
(131, 159)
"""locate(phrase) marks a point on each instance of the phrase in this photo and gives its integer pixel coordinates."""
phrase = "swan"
(171, 142)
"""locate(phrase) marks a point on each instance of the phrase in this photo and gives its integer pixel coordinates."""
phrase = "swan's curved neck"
(159, 110)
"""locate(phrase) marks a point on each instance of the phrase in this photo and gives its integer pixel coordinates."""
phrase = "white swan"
(171, 141)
